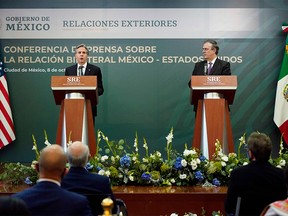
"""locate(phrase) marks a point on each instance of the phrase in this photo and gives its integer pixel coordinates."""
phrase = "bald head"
(52, 162)
(78, 154)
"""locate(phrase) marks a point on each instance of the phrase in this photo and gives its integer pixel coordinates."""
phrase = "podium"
(212, 95)
(75, 94)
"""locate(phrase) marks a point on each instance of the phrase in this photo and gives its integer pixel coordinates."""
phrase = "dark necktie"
(81, 70)
(209, 67)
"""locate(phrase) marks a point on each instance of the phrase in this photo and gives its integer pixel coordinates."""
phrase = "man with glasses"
(211, 65)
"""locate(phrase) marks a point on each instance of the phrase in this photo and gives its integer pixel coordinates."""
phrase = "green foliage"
(16, 173)
(124, 165)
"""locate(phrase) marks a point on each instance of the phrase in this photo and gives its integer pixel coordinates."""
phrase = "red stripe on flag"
(7, 117)
(6, 135)
(6, 123)
(284, 131)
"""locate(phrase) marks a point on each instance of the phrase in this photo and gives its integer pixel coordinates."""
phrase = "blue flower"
(145, 176)
(125, 161)
(202, 158)
(89, 166)
(98, 168)
(28, 181)
(199, 176)
(216, 182)
(177, 163)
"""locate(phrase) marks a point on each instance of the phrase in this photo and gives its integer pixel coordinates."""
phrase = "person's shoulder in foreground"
(279, 207)
(13, 206)
(258, 183)
(79, 179)
(47, 197)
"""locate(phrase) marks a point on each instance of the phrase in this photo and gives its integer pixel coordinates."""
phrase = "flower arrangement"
(125, 166)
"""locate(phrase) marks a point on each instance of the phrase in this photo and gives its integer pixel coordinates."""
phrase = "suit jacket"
(91, 70)
(258, 184)
(220, 67)
(47, 198)
(79, 180)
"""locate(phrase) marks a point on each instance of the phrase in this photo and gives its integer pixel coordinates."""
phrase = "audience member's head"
(259, 146)
(78, 154)
(12, 206)
(52, 162)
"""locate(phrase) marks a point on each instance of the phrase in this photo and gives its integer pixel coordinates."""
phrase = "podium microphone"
(205, 69)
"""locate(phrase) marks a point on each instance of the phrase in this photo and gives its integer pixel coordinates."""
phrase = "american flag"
(7, 134)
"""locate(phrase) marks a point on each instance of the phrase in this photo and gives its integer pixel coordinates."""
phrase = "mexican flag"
(281, 101)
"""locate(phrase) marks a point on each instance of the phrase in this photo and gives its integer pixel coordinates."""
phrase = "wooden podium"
(212, 95)
(75, 94)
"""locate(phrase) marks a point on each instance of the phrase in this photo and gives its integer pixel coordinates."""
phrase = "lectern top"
(86, 85)
(225, 85)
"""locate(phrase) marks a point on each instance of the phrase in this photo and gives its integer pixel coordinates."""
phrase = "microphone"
(205, 69)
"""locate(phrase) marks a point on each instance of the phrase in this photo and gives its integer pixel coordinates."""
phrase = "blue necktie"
(209, 67)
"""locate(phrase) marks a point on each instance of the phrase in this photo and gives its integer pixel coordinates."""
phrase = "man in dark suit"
(83, 68)
(258, 183)
(47, 197)
(211, 65)
(79, 180)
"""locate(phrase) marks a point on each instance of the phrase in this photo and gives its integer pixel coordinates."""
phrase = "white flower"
(198, 161)
(131, 178)
(189, 152)
(145, 145)
(134, 158)
(182, 176)
(232, 155)
(169, 137)
(172, 180)
(194, 167)
(184, 163)
(105, 138)
(113, 159)
(144, 160)
(158, 154)
(224, 158)
(223, 163)
(282, 162)
(245, 163)
(104, 158)
(136, 145)
(33, 164)
(47, 143)
(101, 172)
(193, 162)
(186, 152)
(174, 214)
(107, 173)
(242, 139)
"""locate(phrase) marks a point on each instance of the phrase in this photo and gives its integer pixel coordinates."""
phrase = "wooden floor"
(149, 200)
